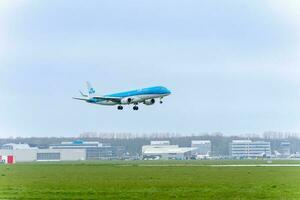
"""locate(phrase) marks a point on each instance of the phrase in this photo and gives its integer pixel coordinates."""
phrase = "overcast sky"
(232, 66)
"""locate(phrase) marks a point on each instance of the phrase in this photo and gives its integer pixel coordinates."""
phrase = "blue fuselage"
(158, 90)
(137, 96)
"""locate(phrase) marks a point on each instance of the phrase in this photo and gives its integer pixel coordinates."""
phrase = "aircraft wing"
(82, 99)
(107, 98)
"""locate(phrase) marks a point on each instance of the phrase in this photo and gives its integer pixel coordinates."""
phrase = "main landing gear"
(160, 101)
(134, 107)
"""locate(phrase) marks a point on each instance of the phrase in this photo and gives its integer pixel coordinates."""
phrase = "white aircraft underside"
(135, 99)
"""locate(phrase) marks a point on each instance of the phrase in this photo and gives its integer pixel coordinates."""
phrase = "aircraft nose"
(168, 91)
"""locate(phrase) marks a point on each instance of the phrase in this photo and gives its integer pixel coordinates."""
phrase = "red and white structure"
(9, 159)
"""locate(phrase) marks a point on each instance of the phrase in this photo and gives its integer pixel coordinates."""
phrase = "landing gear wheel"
(120, 107)
(135, 107)
(161, 101)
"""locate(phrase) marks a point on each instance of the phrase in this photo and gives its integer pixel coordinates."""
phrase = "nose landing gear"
(135, 107)
(120, 107)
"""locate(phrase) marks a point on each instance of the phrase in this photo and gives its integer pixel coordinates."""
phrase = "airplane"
(146, 96)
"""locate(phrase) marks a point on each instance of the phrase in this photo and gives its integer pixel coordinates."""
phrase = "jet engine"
(126, 100)
(149, 102)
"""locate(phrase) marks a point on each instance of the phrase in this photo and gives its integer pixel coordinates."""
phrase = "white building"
(249, 149)
(30, 155)
(77, 144)
(284, 149)
(203, 147)
(163, 150)
(160, 142)
(65, 151)
(94, 149)
(13, 146)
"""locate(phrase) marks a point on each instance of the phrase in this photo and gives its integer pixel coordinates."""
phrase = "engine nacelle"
(126, 100)
(149, 102)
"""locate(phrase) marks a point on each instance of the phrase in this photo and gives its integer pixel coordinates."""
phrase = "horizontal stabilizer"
(82, 94)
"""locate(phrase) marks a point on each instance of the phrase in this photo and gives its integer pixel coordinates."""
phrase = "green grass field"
(148, 180)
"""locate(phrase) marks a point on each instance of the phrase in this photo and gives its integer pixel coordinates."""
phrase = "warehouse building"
(30, 155)
(163, 150)
(94, 150)
(66, 151)
(249, 149)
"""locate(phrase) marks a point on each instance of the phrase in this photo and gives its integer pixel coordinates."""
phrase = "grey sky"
(233, 66)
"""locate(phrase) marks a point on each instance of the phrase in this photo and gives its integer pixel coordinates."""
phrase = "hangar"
(30, 155)
(66, 151)
(163, 150)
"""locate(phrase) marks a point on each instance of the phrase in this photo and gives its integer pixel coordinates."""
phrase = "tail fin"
(90, 88)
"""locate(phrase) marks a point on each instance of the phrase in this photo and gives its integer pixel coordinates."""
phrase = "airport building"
(163, 150)
(30, 155)
(66, 151)
(250, 149)
(285, 149)
(77, 144)
(94, 150)
(13, 146)
(203, 148)
(160, 142)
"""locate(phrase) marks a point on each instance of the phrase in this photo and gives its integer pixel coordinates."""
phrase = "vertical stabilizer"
(91, 90)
